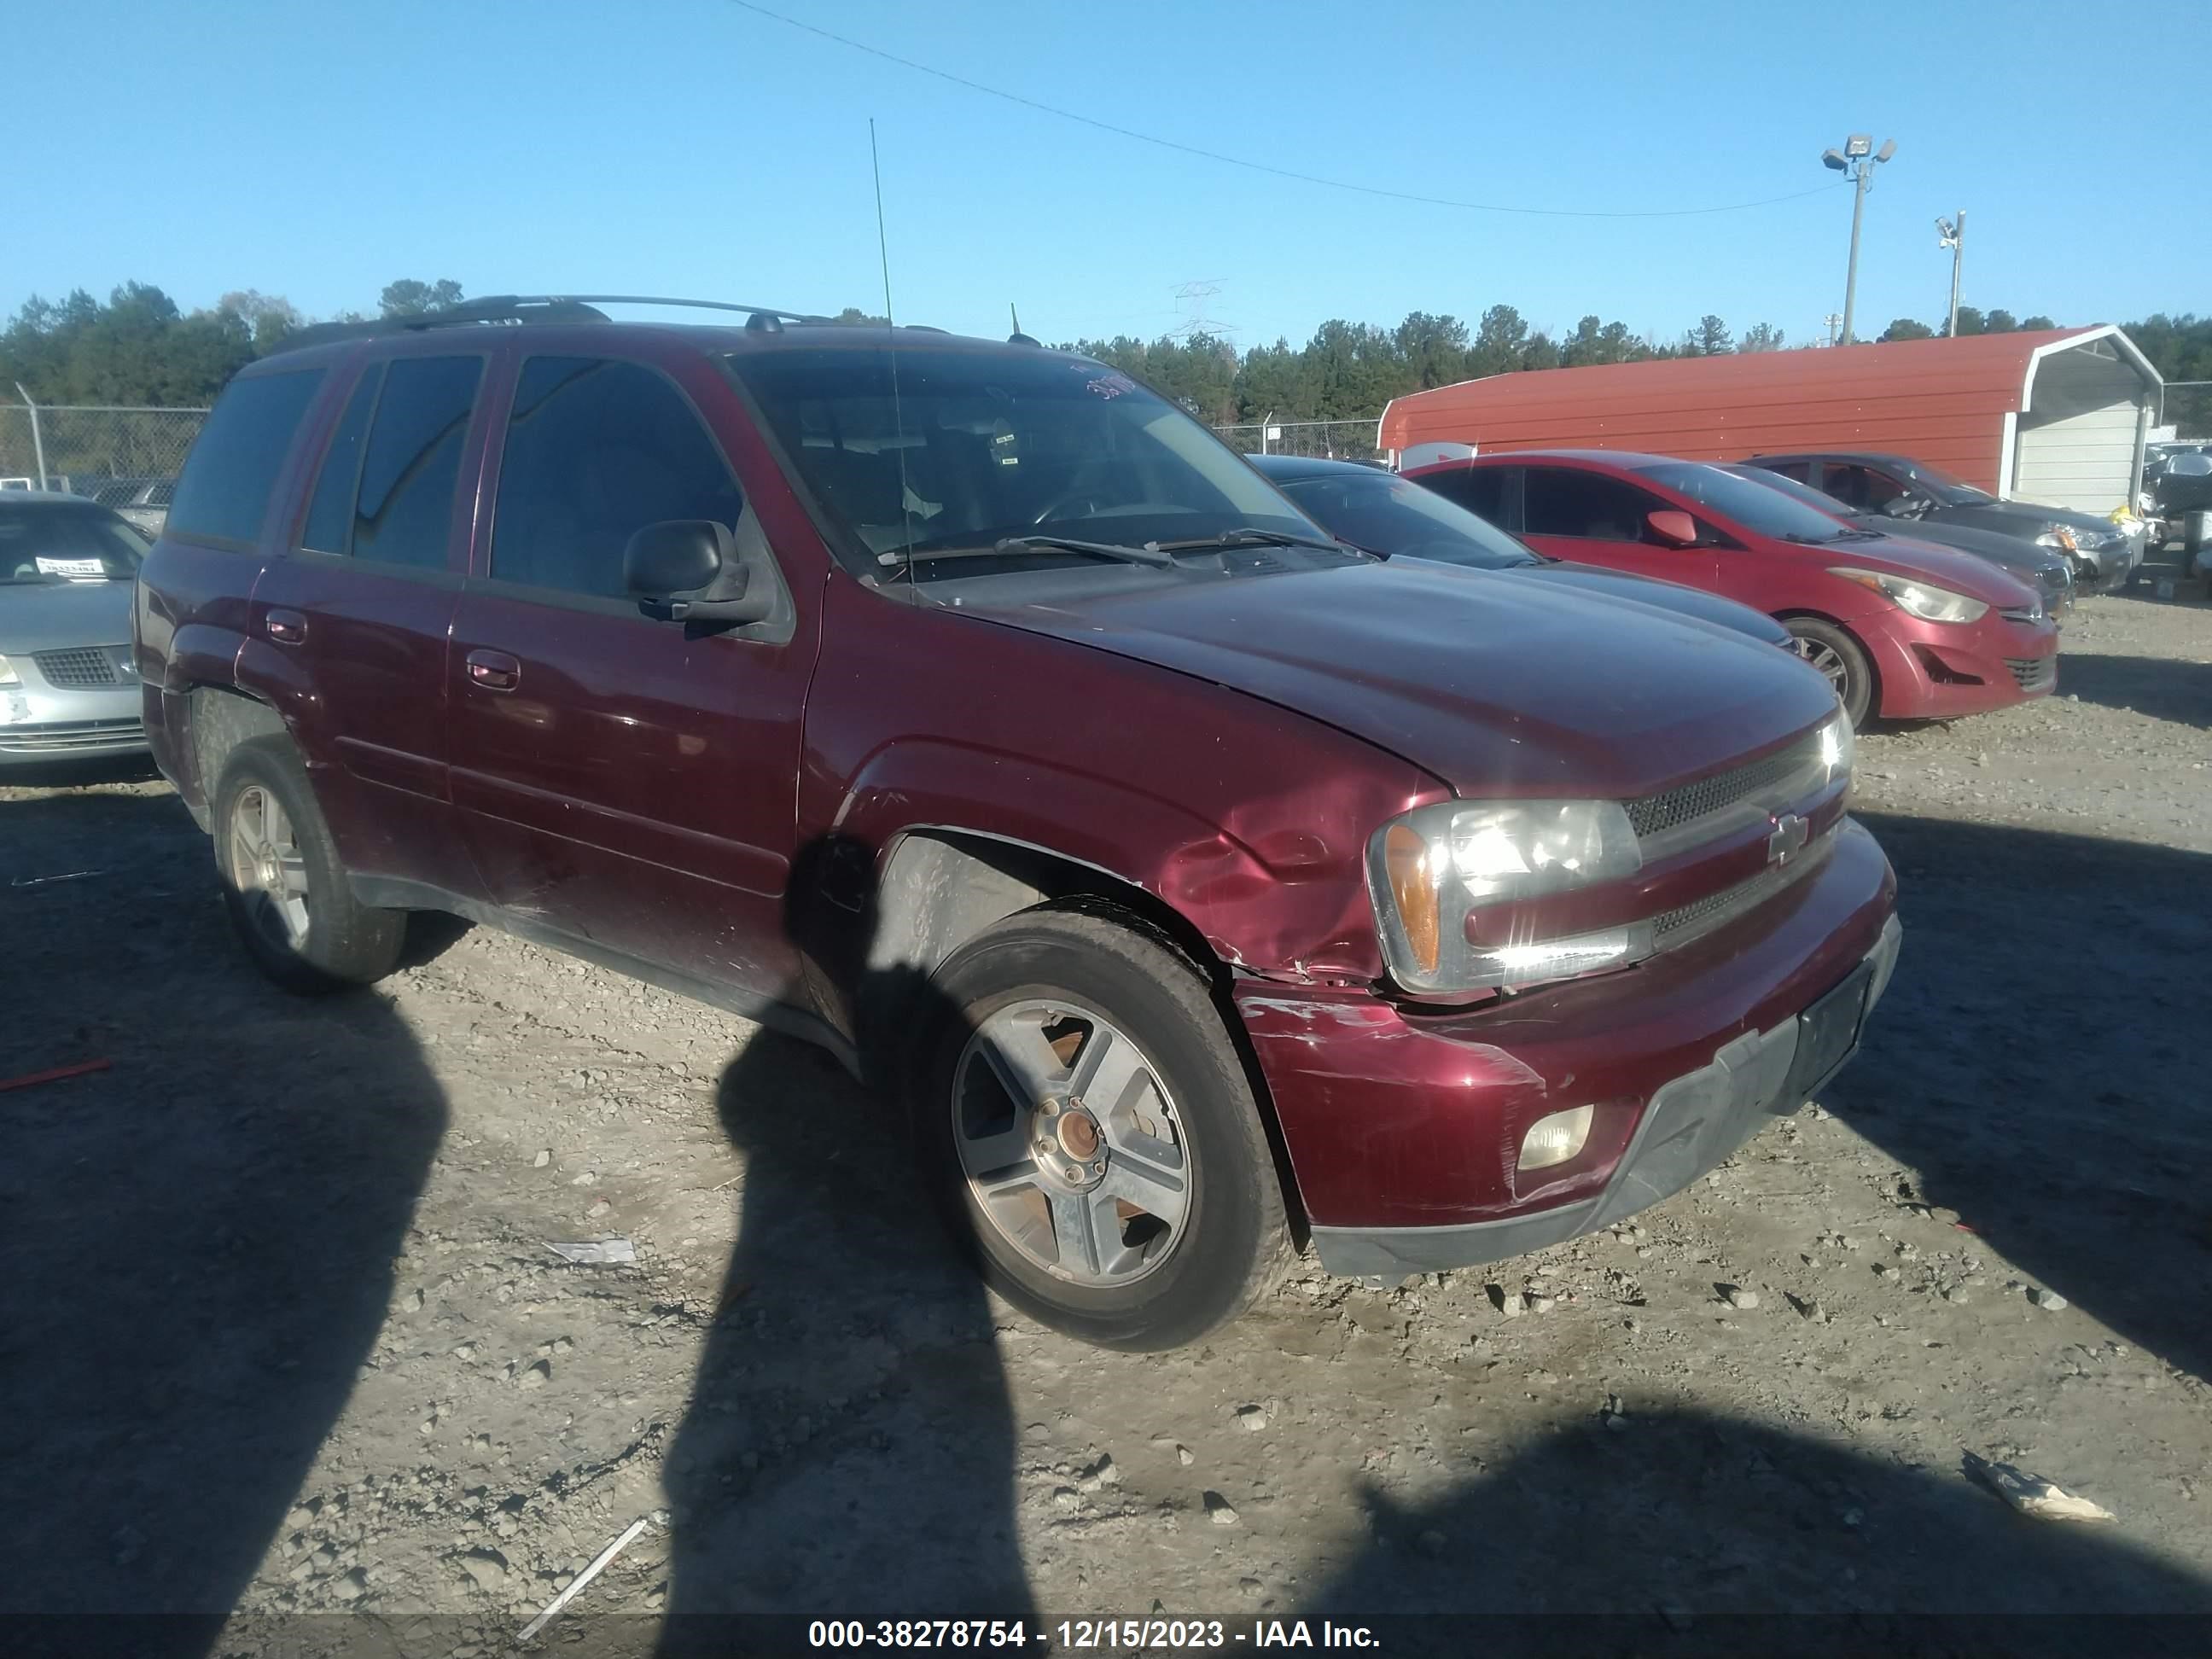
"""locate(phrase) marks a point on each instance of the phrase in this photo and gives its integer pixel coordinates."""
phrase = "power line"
(1261, 166)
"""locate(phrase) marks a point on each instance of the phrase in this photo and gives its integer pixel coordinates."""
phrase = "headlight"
(1428, 870)
(7, 674)
(1839, 748)
(1929, 603)
(2073, 540)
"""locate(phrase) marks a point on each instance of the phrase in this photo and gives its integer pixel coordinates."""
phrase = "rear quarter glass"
(223, 494)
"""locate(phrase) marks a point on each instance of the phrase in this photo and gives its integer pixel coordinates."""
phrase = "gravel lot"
(282, 1333)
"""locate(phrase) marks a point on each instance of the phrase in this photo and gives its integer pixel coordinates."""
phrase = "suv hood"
(1497, 684)
(54, 616)
(2014, 552)
(1665, 595)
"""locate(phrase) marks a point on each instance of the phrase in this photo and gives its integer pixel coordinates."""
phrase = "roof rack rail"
(509, 309)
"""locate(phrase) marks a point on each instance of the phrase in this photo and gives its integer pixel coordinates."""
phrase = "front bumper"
(2106, 570)
(1690, 1126)
(1941, 671)
(41, 721)
(1404, 1127)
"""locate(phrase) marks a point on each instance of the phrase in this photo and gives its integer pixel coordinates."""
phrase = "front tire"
(1841, 658)
(283, 881)
(1090, 1130)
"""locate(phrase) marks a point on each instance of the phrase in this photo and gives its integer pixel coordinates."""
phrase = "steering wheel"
(1065, 498)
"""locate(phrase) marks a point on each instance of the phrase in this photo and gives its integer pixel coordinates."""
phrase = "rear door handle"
(285, 627)
(494, 671)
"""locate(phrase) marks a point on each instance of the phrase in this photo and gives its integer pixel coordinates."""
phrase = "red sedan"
(1903, 630)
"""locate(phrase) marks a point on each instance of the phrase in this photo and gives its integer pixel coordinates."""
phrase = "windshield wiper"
(1013, 546)
(1251, 536)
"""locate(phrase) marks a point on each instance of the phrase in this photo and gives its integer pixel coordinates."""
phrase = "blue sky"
(692, 146)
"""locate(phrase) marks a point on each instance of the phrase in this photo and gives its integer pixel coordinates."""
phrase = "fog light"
(1556, 1139)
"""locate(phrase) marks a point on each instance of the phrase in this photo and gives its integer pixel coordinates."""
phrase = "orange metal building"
(2058, 415)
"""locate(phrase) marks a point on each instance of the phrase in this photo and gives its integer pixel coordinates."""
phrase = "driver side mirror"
(689, 570)
(1904, 507)
(1672, 528)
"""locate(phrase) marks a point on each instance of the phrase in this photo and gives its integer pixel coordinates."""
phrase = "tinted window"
(1479, 489)
(406, 509)
(968, 447)
(1757, 508)
(234, 464)
(1861, 488)
(1396, 516)
(1791, 488)
(1559, 501)
(1800, 470)
(41, 544)
(330, 515)
(596, 450)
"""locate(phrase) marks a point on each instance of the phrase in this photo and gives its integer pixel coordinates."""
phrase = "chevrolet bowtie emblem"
(1789, 836)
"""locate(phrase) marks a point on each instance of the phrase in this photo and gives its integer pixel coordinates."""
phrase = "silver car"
(69, 684)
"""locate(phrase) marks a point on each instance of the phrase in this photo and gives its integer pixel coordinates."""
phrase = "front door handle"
(285, 627)
(494, 671)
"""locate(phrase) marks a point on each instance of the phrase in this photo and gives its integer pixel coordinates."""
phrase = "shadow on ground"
(198, 1240)
(849, 1442)
(2164, 688)
(2039, 1059)
(1683, 1533)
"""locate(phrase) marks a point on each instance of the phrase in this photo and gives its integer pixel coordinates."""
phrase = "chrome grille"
(2033, 673)
(81, 666)
(1654, 815)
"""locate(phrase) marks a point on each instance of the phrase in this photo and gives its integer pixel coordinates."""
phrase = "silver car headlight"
(7, 674)
(1428, 870)
(1924, 599)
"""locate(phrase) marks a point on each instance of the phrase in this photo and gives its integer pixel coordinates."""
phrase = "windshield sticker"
(76, 569)
(1110, 386)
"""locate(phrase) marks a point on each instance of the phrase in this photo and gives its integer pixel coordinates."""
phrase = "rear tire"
(1841, 658)
(283, 881)
(1143, 1226)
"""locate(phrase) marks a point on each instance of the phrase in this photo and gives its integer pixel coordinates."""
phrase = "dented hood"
(1497, 686)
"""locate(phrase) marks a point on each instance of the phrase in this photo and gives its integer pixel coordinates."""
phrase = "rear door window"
(403, 512)
(224, 493)
(1800, 470)
(1559, 500)
(1479, 489)
(1863, 489)
(596, 450)
(329, 528)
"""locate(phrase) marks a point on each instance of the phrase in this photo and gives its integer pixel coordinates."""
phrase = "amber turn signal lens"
(1406, 856)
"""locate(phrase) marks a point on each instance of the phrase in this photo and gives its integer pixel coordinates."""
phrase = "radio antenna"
(891, 334)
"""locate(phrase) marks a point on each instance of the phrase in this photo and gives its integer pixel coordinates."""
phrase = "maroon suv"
(1195, 881)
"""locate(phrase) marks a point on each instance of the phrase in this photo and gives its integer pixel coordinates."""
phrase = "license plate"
(1826, 1032)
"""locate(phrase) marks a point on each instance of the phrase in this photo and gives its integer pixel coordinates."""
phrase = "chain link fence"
(1335, 440)
(111, 455)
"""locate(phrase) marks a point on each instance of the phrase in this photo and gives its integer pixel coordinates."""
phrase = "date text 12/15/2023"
(1083, 1635)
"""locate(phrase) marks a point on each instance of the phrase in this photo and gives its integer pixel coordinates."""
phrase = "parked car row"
(69, 682)
(1194, 879)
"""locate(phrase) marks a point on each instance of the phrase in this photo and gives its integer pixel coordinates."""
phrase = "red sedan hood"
(1499, 687)
(1945, 566)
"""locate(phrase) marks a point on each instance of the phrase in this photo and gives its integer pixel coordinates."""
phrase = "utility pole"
(38, 440)
(1834, 319)
(1952, 233)
(1857, 159)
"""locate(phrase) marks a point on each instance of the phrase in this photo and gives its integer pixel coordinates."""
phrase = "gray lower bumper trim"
(1691, 1125)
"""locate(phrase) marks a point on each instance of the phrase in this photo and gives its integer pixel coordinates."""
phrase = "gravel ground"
(283, 1335)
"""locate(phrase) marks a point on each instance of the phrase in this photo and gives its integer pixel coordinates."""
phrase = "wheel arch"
(1872, 657)
(940, 885)
(219, 718)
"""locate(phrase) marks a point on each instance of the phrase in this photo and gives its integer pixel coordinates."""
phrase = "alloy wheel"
(267, 868)
(1074, 1150)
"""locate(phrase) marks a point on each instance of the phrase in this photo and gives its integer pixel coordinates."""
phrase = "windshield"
(1950, 490)
(1762, 511)
(42, 544)
(1796, 491)
(1386, 514)
(972, 448)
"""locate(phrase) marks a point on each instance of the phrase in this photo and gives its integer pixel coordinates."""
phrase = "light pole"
(1856, 159)
(1952, 233)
